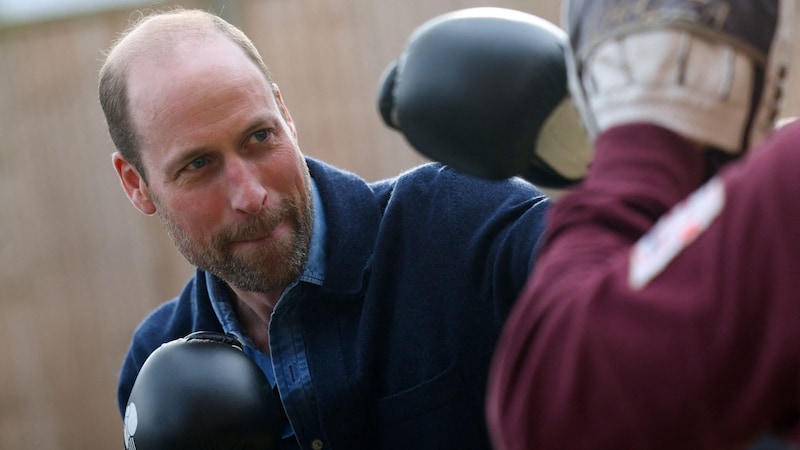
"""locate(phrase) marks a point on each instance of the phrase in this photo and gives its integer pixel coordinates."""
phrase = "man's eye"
(260, 136)
(198, 163)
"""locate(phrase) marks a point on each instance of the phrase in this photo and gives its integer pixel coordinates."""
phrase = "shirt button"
(316, 444)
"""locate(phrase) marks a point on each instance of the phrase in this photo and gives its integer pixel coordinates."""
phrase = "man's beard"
(272, 266)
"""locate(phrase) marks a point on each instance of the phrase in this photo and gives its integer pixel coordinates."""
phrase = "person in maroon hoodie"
(663, 312)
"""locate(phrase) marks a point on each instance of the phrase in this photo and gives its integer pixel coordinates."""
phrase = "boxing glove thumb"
(484, 90)
(202, 392)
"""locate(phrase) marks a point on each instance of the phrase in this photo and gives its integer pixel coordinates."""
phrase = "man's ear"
(284, 110)
(134, 185)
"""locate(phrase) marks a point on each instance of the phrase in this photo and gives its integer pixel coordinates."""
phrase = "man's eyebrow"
(259, 122)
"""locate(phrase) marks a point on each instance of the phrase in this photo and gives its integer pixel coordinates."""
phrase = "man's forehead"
(165, 51)
(154, 38)
(189, 62)
(196, 84)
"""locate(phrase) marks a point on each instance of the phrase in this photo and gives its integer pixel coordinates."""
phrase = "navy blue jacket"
(421, 272)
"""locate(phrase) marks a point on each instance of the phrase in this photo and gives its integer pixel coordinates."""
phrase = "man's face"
(224, 171)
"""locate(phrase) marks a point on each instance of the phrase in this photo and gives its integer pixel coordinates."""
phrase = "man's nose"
(247, 192)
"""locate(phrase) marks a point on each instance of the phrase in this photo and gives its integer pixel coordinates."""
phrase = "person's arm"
(657, 318)
(684, 338)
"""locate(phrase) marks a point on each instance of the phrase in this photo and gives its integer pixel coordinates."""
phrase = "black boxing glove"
(202, 392)
(484, 90)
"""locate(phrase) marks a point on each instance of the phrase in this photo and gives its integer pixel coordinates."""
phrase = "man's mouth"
(254, 237)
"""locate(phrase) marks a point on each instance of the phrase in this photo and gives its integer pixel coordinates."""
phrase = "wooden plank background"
(79, 266)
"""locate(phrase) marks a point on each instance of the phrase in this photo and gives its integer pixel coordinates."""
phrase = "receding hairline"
(154, 35)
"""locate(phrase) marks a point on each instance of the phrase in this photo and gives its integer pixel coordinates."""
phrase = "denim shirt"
(286, 362)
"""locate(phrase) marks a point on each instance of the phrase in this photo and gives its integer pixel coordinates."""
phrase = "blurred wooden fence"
(79, 267)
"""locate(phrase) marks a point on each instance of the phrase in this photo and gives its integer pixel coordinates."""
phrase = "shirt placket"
(292, 374)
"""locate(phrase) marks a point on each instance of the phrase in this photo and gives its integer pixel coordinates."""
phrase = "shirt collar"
(314, 272)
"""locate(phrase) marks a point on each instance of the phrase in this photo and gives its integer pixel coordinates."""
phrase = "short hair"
(149, 35)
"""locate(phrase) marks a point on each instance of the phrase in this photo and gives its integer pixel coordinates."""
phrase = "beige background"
(79, 266)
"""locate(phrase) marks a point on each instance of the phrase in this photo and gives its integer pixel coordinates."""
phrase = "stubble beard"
(272, 266)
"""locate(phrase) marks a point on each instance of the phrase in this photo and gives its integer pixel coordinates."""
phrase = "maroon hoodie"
(659, 315)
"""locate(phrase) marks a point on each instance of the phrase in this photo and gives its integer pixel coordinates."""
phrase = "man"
(663, 310)
(373, 308)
